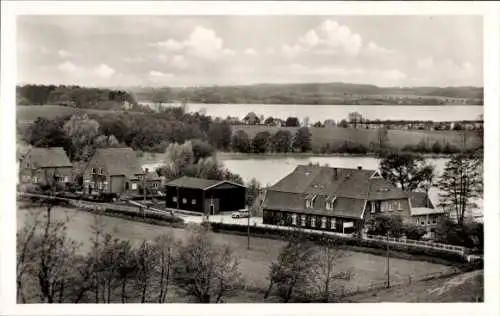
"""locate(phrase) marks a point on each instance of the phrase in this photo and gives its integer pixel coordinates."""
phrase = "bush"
(414, 232)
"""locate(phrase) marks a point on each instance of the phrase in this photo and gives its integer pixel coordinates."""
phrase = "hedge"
(376, 247)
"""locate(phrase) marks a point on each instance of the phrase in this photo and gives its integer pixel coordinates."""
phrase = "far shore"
(152, 158)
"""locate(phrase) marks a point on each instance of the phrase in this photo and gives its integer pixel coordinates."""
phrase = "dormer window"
(308, 203)
(329, 205)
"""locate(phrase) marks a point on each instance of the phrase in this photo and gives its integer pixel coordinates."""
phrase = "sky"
(239, 50)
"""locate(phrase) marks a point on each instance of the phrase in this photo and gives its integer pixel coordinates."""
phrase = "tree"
(325, 273)
(355, 118)
(281, 141)
(406, 171)
(160, 96)
(178, 157)
(82, 130)
(146, 262)
(219, 135)
(382, 139)
(252, 192)
(205, 271)
(269, 120)
(343, 124)
(302, 140)
(292, 271)
(292, 122)
(460, 182)
(201, 149)
(382, 225)
(166, 248)
(318, 124)
(413, 231)
(305, 121)
(47, 133)
(241, 142)
(260, 143)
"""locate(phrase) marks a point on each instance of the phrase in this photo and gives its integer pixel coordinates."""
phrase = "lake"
(338, 112)
(269, 170)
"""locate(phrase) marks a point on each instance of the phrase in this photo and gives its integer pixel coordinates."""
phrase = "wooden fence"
(419, 243)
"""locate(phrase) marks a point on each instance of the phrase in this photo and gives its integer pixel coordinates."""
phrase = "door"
(211, 209)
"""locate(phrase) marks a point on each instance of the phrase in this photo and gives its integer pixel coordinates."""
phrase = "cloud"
(136, 59)
(202, 43)
(179, 62)
(445, 69)
(159, 74)
(328, 38)
(63, 53)
(68, 66)
(104, 71)
(250, 51)
(374, 48)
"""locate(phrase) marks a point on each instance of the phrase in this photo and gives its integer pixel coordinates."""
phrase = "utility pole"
(248, 229)
(388, 273)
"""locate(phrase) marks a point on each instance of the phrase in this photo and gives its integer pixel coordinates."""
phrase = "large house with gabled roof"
(333, 199)
(43, 165)
(113, 170)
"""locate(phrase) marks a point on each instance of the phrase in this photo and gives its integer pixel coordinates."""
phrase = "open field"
(396, 138)
(254, 263)
(467, 287)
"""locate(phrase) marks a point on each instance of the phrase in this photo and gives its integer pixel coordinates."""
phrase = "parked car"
(240, 214)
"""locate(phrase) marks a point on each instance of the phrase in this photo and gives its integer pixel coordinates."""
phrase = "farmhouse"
(205, 196)
(424, 213)
(41, 165)
(333, 199)
(113, 170)
(153, 180)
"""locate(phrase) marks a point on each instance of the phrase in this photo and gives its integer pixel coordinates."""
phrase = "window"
(155, 185)
(134, 186)
(428, 221)
(399, 206)
(184, 201)
(35, 179)
(389, 206)
(328, 205)
(294, 219)
(193, 201)
(66, 179)
(101, 171)
(434, 221)
(323, 222)
(174, 199)
(303, 220)
(313, 221)
(333, 223)
(93, 170)
(308, 203)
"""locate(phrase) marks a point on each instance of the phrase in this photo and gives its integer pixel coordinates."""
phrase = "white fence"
(425, 244)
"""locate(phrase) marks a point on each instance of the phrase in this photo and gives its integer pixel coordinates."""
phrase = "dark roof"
(48, 157)
(342, 207)
(350, 188)
(197, 183)
(420, 199)
(120, 161)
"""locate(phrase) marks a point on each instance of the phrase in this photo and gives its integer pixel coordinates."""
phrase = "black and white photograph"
(250, 158)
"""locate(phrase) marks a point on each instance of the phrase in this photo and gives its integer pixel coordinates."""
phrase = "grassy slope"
(397, 138)
(254, 263)
(465, 287)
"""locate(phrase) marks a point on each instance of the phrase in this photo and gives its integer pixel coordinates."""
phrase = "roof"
(48, 157)
(119, 161)
(342, 207)
(416, 211)
(197, 183)
(349, 188)
(420, 199)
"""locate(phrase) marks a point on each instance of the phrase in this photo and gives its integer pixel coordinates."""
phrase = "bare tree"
(167, 248)
(145, 267)
(204, 271)
(97, 230)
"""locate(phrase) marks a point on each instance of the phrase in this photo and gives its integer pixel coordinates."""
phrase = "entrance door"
(211, 211)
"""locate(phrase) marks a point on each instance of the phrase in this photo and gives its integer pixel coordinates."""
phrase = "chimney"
(359, 167)
(335, 174)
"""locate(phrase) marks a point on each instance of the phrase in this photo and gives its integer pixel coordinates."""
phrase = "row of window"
(184, 200)
(422, 220)
(306, 221)
(36, 179)
(310, 203)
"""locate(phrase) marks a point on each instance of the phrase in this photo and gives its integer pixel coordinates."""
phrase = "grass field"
(254, 263)
(467, 287)
(396, 138)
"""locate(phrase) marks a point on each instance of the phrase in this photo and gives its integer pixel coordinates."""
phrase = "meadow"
(254, 263)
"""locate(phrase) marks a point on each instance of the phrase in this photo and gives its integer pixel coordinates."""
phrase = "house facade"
(113, 170)
(153, 181)
(42, 165)
(424, 213)
(334, 199)
(205, 196)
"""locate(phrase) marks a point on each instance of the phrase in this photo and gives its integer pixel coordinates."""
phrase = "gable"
(225, 185)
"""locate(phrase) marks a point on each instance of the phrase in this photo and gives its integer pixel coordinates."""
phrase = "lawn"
(396, 138)
(254, 263)
(467, 287)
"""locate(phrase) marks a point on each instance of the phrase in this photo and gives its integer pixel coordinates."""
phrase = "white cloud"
(202, 43)
(158, 74)
(104, 71)
(374, 48)
(63, 53)
(328, 38)
(68, 66)
(250, 51)
(445, 69)
(178, 61)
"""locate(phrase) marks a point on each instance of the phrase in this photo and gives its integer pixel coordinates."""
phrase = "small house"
(205, 196)
(423, 212)
(41, 165)
(153, 181)
(113, 170)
